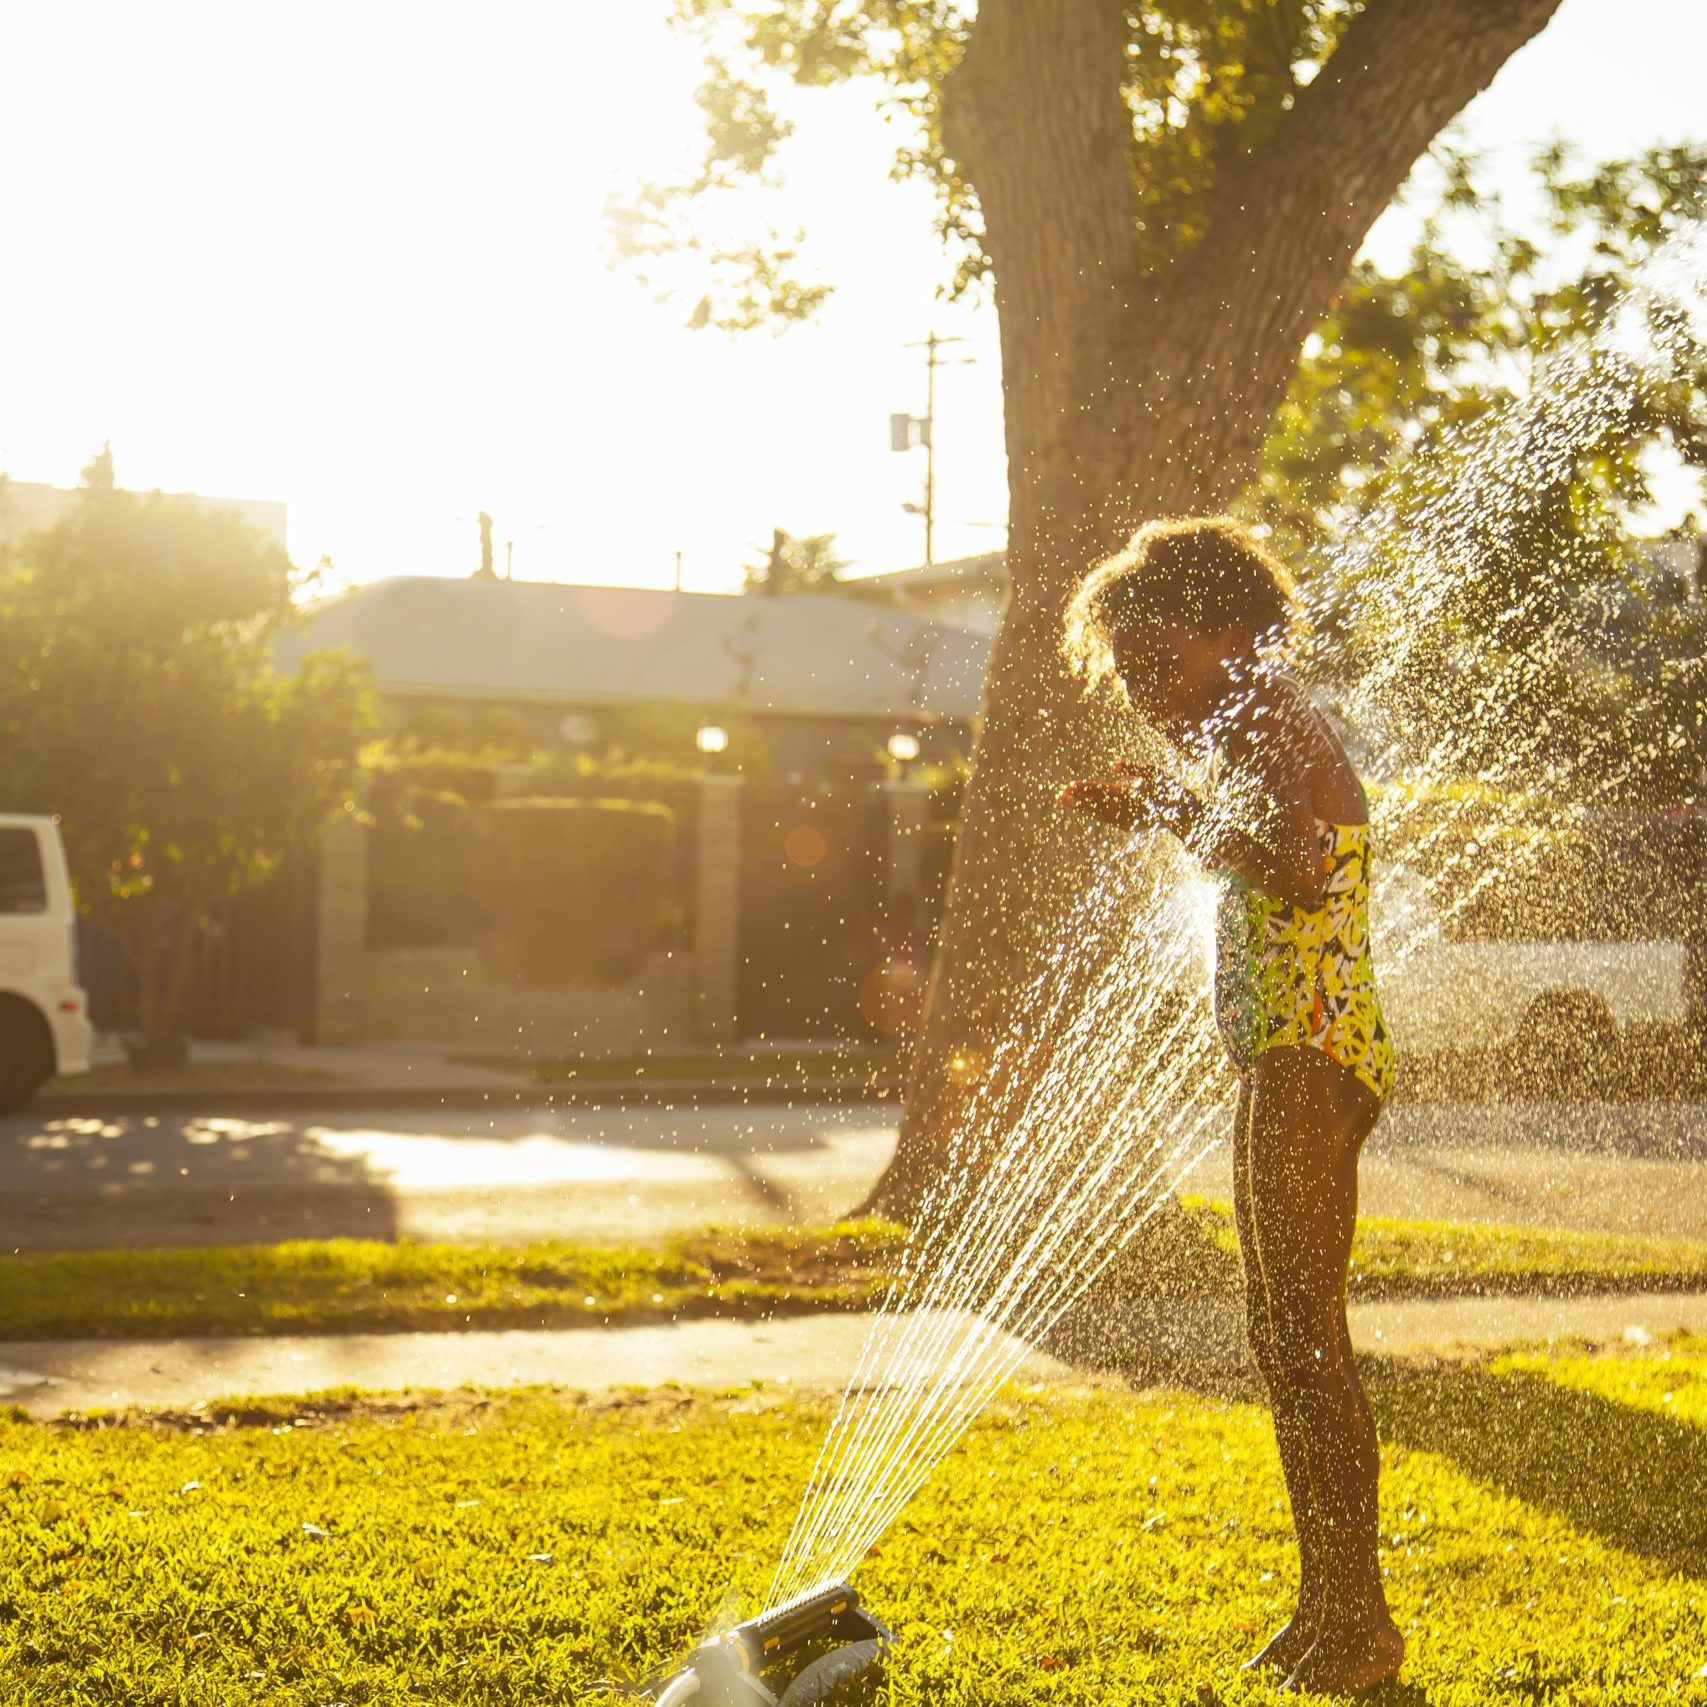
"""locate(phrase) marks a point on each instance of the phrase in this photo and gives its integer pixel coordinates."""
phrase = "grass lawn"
(349, 1286)
(1542, 1521)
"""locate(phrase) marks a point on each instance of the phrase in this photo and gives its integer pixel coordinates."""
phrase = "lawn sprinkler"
(816, 1649)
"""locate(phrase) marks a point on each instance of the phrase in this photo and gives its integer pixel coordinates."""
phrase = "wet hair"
(1206, 573)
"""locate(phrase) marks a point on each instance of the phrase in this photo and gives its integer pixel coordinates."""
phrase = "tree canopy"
(1164, 197)
(1408, 357)
(804, 563)
(1203, 82)
(1390, 411)
(138, 702)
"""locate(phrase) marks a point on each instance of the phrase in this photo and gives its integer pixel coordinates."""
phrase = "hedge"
(575, 891)
(420, 870)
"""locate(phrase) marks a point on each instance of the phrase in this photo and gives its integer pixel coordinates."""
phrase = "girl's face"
(1176, 677)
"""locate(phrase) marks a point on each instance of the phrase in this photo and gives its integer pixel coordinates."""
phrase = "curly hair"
(1203, 572)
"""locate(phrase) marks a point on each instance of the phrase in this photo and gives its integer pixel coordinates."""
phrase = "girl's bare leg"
(1308, 1119)
(1292, 1641)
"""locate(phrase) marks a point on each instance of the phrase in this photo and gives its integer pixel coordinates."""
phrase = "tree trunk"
(1128, 395)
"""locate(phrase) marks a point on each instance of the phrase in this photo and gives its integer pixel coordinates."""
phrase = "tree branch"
(1401, 72)
(1286, 219)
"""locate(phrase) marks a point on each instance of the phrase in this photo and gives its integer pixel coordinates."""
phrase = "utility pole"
(902, 434)
(486, 571)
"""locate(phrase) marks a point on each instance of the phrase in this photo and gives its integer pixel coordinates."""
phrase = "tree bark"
(1130, 394)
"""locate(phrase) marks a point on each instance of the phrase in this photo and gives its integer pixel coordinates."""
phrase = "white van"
(1571, 997)
(44, 1013)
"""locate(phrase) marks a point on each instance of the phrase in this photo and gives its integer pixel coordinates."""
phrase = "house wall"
(448, 995)
(687, 994)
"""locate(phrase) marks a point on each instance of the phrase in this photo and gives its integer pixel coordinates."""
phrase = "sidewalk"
(274, 1071)
(804, 1353)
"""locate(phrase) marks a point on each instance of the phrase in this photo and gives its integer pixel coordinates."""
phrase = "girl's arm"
(1282, 859)
(1273, 846)
(1272, 843)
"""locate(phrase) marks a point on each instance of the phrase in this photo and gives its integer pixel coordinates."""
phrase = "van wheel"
(26, 1054)
(1568, 1041)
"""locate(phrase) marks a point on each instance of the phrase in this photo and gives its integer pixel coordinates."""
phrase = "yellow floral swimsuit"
(1287, 975)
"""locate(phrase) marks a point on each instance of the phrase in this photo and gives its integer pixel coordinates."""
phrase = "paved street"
(642, 1173)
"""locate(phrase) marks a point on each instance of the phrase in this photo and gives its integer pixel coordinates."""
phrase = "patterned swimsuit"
(1288, 975)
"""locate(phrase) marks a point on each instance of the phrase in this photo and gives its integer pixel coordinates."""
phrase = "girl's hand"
(1114, 803)
(1138, 799)
(1145, 781)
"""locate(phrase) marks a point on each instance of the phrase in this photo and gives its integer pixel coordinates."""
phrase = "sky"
(353, 257)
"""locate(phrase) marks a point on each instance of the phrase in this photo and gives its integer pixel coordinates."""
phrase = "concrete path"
(638, 1175)
(803, 1352)
(273, 1069)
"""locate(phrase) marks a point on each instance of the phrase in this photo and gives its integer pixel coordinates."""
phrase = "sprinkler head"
(796, 1656)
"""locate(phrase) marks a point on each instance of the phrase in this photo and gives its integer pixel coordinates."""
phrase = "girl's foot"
(1286, 1647)
(1346, 1658)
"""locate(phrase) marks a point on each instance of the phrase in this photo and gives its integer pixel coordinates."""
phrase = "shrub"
(395, 769)
(579, 776)
(420, 869)
(575, 891)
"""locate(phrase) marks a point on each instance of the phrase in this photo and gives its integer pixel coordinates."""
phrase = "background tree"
(795, 564)
(138, 701)
(1164, 197)
(1405, 361)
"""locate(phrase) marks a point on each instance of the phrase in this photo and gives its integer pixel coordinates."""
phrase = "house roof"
(817, 654)
(988, 569)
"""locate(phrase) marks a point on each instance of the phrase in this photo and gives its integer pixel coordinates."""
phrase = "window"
(22, 887)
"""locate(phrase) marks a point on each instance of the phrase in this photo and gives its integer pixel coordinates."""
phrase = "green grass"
(1541, 1526)
(1394, 1258)
(368, 1286)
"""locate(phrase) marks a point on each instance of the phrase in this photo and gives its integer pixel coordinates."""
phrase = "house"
(829, 678)
(966, 592)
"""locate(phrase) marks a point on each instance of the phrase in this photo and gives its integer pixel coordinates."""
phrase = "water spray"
(814, 1648)
(1057, 1151)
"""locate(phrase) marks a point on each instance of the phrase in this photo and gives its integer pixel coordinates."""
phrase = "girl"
(1189, 619)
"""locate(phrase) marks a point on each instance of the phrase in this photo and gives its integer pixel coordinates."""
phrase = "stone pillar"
(717, 907)
(906, 807)
(340, 930)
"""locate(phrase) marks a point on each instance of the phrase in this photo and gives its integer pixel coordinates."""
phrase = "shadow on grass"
(1633, 1477)
(1629, 1476)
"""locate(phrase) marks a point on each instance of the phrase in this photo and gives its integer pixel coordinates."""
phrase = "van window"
(22, 887)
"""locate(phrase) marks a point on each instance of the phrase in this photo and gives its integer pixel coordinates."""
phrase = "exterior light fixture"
(903, 747)
(711, 739)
